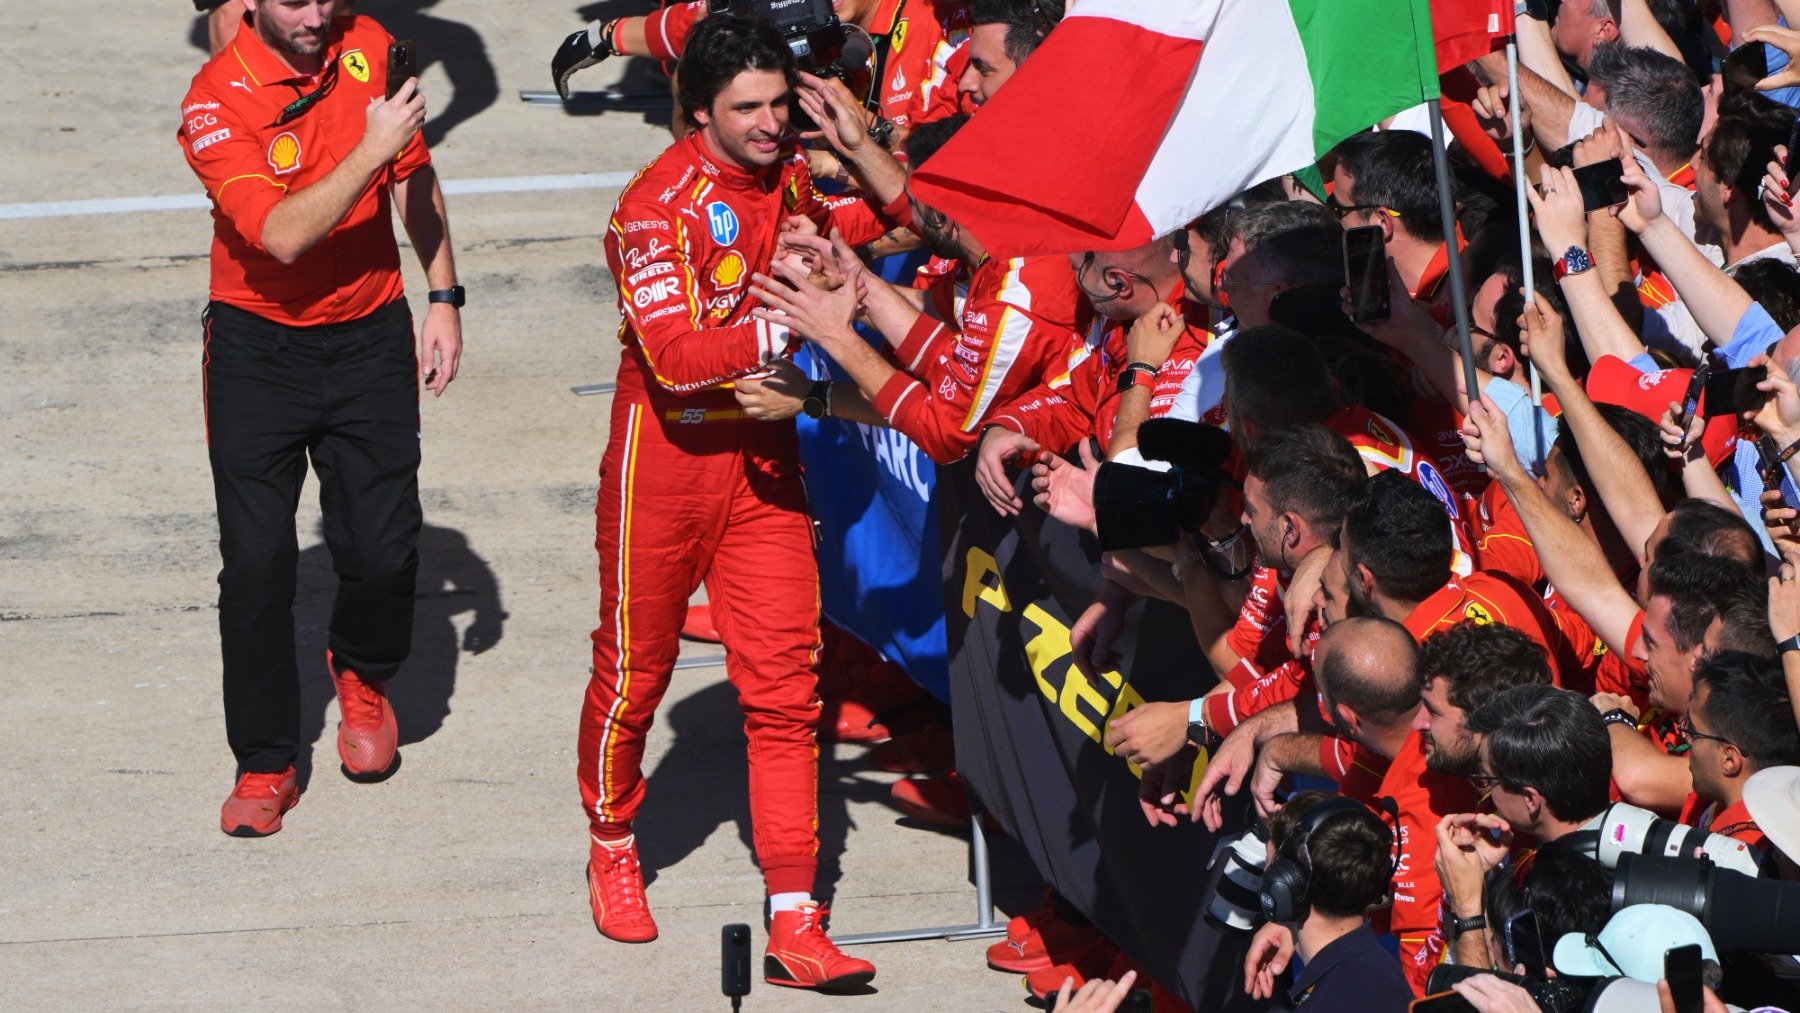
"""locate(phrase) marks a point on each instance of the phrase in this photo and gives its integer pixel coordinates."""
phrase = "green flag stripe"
(1368, 59)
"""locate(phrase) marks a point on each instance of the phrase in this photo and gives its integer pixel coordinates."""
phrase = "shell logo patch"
(284, 153)
(358, 65)
(729, 273)
(1476, 614)
(899, 37)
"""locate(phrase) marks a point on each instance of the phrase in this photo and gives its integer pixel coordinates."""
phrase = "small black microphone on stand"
(734, 963)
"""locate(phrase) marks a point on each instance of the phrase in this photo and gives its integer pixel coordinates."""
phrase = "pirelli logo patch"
(284, 153)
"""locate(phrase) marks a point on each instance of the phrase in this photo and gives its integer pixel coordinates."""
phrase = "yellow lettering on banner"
(975, 585)
(1050, 645)
(1077, 691)
(1127, 699)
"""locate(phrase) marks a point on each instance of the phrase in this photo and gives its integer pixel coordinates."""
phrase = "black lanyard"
(297, 108)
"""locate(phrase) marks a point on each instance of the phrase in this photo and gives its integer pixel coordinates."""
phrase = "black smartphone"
(1365, 273)
(734, 960)
(1690, 402)
(1747, 64)
(1768, 465)
(1601, 185)
(1524, 945)
(403, 62)
(1442, 1002)
(1681, 969)
(1733, 391)
(1793, 153)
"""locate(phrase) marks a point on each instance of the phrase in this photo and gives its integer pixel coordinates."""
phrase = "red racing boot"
(616, 891)
(255, 806)
(1093, 958)
(368, 738)
(801, 956)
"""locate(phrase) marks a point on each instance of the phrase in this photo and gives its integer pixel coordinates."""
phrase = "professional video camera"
(1139, 507)
(1740, 912)
(1628, 830)
(821, 44)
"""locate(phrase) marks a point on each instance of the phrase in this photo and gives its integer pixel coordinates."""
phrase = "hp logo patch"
(722, 222)
(1434, 483)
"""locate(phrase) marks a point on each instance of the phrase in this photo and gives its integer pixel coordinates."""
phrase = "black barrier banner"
(1030, 736)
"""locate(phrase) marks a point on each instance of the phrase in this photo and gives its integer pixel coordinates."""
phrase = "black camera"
(1741, 913)
(821, 44)
(1135, 507)
(1553, 995)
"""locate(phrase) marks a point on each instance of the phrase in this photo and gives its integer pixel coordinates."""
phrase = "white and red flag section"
(1137, 116)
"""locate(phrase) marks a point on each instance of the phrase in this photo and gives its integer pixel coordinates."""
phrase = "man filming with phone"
(304, 151)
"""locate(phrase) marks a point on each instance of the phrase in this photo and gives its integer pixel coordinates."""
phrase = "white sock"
(788, 901)
(623, 842)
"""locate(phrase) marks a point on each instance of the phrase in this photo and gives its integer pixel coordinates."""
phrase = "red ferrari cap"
(1615, 381)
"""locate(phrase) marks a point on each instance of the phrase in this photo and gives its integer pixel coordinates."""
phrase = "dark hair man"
(1385, 178)
(1545, 758)
(1728, 179)
(1461, 667)
(913, 41)
(677, 504)
(1741, 720)
(306, 299)
(1344, 855)
(1276, 247)
(1004, 33)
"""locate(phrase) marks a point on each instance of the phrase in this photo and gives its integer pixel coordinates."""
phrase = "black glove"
(580, 51)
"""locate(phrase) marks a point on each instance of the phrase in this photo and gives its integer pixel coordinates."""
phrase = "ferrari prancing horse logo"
(357, 65)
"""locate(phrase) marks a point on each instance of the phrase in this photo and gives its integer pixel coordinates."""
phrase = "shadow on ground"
(453, 580)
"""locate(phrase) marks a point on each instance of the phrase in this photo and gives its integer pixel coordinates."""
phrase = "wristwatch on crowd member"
(455, 295)
(1137, 374)
(818, 400)
(1790, 644)
(1197, 732)
(1573, 261)
(1454, 926)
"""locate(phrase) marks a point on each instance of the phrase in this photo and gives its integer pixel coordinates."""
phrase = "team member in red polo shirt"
(1739, 722)
(310, 352)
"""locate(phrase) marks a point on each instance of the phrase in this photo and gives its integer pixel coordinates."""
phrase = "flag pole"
(1519, 185)
(1458, 287)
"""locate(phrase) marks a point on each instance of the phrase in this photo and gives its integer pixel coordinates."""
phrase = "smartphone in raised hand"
(1366, 273)
(1601, 185)
(1682, 970)
(403, 62)
(1747, 64)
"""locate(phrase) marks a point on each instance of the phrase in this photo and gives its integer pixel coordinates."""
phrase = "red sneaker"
(368, 738)
(931, 750)
(255, 805)
(616, 891)
(1022, 951)
(801, 956)
(935, 800)
(1092, 959)
(852, 722)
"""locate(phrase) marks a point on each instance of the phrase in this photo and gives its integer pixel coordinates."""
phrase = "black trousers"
(345, 395)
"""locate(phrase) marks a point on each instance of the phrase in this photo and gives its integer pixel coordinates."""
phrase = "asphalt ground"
(459, 882)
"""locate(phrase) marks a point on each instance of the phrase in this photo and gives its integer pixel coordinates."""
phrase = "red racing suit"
(692, 491)
(1018, 318)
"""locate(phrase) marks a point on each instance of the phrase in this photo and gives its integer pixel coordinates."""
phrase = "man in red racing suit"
(692, 490)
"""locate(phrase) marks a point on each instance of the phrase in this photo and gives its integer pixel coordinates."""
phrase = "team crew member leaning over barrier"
(693, 489)
(309, 352)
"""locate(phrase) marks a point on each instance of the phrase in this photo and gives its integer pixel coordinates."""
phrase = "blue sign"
(722, 222)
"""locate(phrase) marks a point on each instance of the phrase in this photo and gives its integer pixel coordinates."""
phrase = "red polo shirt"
(251, 142)
(1734, 821)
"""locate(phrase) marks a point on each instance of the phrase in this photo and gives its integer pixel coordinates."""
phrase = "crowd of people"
(1466, 657)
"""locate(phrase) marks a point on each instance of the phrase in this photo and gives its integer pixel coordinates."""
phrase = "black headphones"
(1285, 882)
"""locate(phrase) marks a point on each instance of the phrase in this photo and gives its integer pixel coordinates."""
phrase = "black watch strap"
(1454, 927)
(455, 295)
(818, 400)
(1619, 716)
(1790, 644)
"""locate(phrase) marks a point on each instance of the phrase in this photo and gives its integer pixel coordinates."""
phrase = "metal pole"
(1458, 287)
(1525, 266)
(985, 926)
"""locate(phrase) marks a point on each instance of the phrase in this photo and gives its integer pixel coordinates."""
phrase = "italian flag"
(1137, 116)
